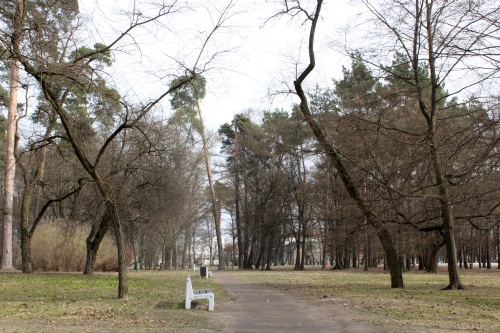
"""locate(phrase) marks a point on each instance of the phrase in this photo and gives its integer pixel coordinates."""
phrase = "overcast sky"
(261, 56)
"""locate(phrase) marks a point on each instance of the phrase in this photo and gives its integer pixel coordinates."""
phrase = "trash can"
(203, 271)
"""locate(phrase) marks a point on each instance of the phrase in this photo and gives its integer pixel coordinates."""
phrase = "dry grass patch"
(65, 302)
(422, 304)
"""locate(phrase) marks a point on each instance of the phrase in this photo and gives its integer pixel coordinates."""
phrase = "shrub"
(57, 247)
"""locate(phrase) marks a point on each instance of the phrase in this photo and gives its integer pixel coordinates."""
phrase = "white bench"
(192, 295)
(195, 268)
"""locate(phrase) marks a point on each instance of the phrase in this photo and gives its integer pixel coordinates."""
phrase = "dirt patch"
(256, 309)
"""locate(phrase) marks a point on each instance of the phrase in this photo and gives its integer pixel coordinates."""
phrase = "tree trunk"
(304, 250)
(355, 263)
(274, 222)
(480, 256)
(466, 260)
(347, 257)
(498, 246)
(215, 211)
(237, 196)
(460, 257)
(488, 256)
(250, 256)
(193, 247)
(327, 219)
(382, 233)
(210, 252)
(270, 249)
(120, 245)
(325, 245)
(430, 116)
(174, 257)
(233, 252)
(10, 160)
(297, 254)
(185, 248)
(26, 236)
(433, 257)
(451, 253)
(137, 253)
(260, 257)
(31, 179)
(169, 255)
(409, 263)
(247, 256)
(366, 254)
(94, 239)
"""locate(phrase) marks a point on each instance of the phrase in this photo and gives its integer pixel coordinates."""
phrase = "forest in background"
(395, 163)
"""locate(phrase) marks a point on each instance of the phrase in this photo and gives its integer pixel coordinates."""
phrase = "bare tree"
(187, 98)
(335, 157)
(456, 42)
(57, 77)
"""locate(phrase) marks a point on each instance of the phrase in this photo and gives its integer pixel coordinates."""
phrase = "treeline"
(289, 192)
(387, 165)
(89, 155)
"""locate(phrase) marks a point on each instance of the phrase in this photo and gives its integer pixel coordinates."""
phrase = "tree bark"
(488, 256)
(237, 195)
(10, 159)
(460, 257)
(325, 245)
(303, 254)
(327, 219)
(382, 233)
(250, 258)
(430, 116)
(174, 256)
(93, 241)
(433, 256)
(215, 211)
(270, 247)
(248, 250)
(120, 239)
(26, 264)
(10, 168)
(185, 248)
(498, 246)
(366, 254)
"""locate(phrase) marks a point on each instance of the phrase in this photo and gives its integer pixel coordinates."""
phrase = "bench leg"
(211, 303)
(188, 304)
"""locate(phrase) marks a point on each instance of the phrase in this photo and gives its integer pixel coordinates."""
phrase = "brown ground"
(254, 309)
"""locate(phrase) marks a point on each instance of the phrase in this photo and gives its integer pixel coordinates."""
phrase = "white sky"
(260, 58)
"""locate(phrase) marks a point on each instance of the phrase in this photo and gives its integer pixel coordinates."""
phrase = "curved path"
(259, 309)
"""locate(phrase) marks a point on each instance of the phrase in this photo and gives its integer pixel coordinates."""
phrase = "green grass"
(73, 302)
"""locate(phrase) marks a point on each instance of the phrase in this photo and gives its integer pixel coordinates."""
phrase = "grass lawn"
(73, 302)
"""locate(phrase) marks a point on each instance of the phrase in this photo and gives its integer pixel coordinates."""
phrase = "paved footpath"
(259, 309)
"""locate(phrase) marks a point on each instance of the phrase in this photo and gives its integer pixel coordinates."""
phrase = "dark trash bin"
(203, 271)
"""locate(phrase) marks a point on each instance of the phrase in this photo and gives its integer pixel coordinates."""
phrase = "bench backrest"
(189, 285)
(189, 292)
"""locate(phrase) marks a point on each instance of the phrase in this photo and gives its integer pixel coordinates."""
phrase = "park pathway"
(261, 309)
